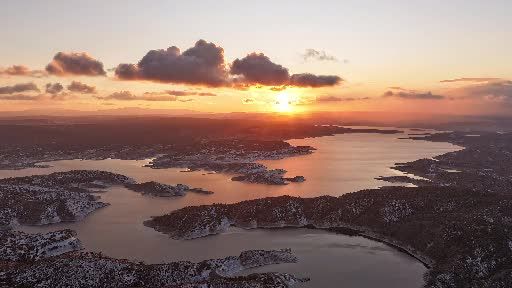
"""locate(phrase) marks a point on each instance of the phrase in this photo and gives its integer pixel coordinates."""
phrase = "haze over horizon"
(220, 57)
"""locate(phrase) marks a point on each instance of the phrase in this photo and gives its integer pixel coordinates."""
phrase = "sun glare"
(283, 102)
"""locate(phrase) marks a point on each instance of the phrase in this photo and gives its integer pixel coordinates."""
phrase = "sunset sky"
(281, 56)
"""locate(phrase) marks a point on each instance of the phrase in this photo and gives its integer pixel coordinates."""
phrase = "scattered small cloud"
(79, 87)
(314, 81)
(320, 55)
(470, 80)
(17, 88)
(75, 63)
(54, 88)
(398, 88)
(62, 96)
(121, 95)
(278, 88)
(325, 99)
(148, 96)
(339, 99)
(412, 95)
(21, 97)
(499, 91)
(248, 101)
(180, 93)
(20, 70)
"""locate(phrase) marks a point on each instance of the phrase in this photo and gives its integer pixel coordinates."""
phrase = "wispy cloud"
(499, 90)
(412, 95)
(21, 97)
(79, 87)
(320, 55)
(17, 88)
(20, 70)
(469, 80)
(129, 96)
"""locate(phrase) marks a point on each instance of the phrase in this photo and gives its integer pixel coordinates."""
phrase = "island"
(164, 190)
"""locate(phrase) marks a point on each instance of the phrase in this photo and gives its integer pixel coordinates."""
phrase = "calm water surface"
(342, 164)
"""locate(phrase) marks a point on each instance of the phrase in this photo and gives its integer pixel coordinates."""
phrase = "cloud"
(328, 99)
(319, 55)
(75, 63)
(202, 64)
(339, 99)
(82, 88)
(314, 81)
(469, 80)
(256, 68)
(148, 96)
(122, 95)
(54, 88)
(277, 89)
(500, 90)
(413, 95)
(17, 88)
(20, 70)
(180, 93)
(63, 96)
(21, 97)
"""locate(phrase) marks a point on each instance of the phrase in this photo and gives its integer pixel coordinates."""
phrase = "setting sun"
(283, 102)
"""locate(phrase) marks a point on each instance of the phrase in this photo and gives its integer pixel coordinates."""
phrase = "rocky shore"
(52, 259)
(17, 246)
(459, 224)
(53, 198)
(68, 196)
(95, 270)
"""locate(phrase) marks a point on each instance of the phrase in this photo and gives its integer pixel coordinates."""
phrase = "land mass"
(68, 196)
(53, 260)
(457, 223)
(219, 145)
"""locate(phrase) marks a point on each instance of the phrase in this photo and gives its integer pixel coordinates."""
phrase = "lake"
(342, 164)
